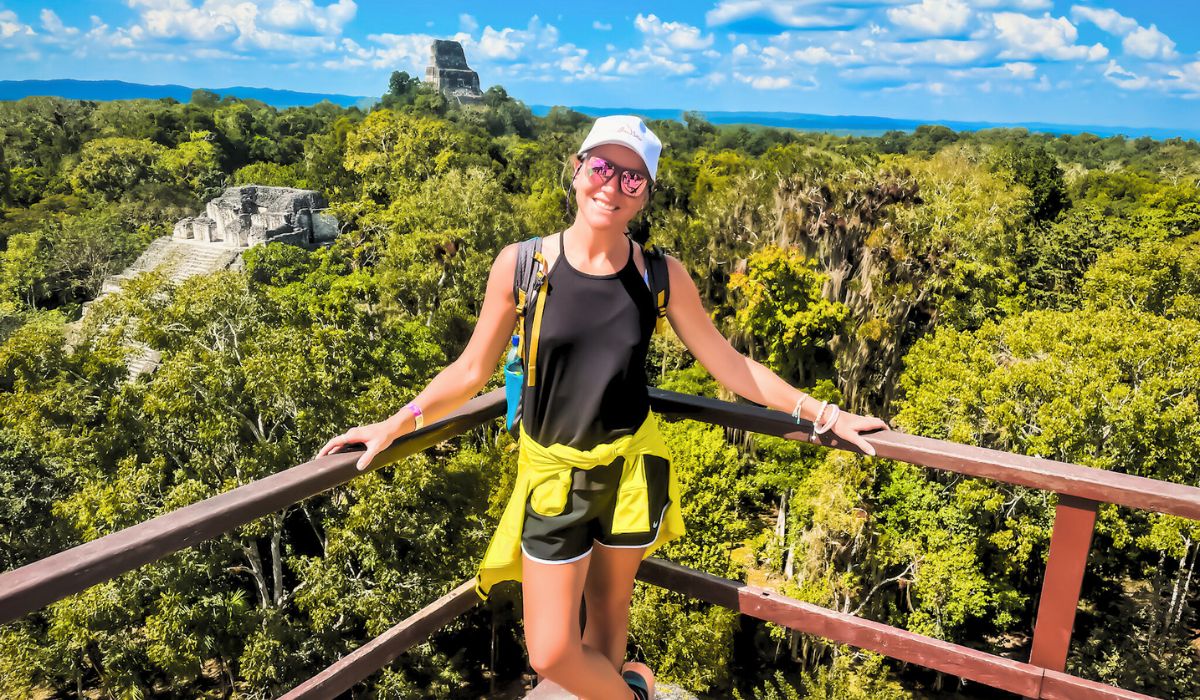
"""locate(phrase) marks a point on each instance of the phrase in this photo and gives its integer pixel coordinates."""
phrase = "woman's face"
(606, 205)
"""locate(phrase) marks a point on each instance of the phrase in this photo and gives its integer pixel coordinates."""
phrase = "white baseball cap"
(629, 131)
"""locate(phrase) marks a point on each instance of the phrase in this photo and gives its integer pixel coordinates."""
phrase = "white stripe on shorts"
(661, 515)
(550, 561)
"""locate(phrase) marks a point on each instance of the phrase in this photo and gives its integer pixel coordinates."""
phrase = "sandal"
(637, 683)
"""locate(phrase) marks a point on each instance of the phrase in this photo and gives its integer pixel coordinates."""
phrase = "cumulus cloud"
(932, 87)
(601, 26)
(53, 24)
(10, 25)
(1017, 70)
(1149, 43)
(1012, 4)
(932, 17)
(765, 82)
(1186, 78)
(467, 23)
(935, 51)
(797, 14)
(1107, 19)
(677, 35)
(288, 26)
(877, 75)
(647, 61)
(1042, 37)
(509, 43)
(711, 80)
(1124, 79)
(305, 15)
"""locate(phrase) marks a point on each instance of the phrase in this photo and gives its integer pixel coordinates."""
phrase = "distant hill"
(856, 125)
(841, 124)
(105, 90)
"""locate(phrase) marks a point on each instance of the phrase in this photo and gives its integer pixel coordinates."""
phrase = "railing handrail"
(1081, 490)
(1034, 472)
(42, 582)
(38, 584)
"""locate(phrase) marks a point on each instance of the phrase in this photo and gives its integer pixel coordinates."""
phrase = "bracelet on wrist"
(799, 403)
(834, 412)
(820, 412)
(418, 417)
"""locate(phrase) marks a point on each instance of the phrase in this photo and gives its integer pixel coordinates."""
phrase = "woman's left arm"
(742, 375)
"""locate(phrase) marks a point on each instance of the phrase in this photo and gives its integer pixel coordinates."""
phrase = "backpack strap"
(523, 277)
(659, 279)
(528, 280)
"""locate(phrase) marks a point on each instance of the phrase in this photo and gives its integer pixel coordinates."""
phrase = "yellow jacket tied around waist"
(544, 479)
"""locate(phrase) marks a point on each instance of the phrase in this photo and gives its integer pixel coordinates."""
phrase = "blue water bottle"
(514, 380)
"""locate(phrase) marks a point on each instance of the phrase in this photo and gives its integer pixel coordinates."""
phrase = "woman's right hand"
(375, 437)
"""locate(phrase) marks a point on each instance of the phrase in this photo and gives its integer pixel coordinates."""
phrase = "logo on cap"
(625, 129)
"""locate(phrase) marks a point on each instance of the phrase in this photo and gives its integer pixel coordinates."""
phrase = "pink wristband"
(418, 418)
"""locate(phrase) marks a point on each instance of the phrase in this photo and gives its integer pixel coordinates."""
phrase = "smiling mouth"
(605, 207)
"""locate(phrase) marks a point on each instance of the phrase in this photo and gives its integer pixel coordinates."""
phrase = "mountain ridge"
(841, 124)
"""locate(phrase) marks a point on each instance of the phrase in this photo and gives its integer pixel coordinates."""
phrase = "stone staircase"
(178, 260)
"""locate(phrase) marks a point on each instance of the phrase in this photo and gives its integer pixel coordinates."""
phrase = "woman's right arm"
(461, 379)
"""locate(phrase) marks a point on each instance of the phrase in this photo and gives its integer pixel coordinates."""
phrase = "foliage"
(1028, 292)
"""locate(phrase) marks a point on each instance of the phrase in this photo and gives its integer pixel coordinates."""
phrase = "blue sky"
(1115, 62)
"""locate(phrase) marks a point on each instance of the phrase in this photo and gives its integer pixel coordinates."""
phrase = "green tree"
(110, 167)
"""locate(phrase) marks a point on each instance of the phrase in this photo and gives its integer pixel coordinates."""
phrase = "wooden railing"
(1080, 490)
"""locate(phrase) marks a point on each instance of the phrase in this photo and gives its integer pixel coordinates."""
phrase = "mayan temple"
(448, 72)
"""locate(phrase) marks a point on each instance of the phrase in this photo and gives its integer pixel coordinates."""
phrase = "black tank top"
(591, 383)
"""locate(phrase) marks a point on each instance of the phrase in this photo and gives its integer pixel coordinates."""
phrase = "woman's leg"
(550, 595)
(608, 590)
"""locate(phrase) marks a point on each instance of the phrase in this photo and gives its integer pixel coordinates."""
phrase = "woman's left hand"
(849, 427)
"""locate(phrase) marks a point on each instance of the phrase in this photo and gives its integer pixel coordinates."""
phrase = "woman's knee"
(550, 657)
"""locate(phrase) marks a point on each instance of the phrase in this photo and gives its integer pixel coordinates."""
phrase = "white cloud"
(510, 44)
(677, 35)
(1042, 37)
(765, 82)
(1013, 4)
(937, 51)
(601, 26)
(645, 60)
(710, 80)
(54, 25)
(1017, 70)
(1149, 43)
(10, 25)
(932, 17)
(305, 15)
(1124, 79)
(286, 26)
(467, 23)
(1186, 79)
(876, 74)
(505, 43)
(1107, 19)
(935, 88)
(798, 14)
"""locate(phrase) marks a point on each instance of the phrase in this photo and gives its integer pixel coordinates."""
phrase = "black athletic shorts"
(588, 514)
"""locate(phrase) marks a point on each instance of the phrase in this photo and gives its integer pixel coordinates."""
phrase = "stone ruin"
(246, 216)
(448, 72)
(240, 218)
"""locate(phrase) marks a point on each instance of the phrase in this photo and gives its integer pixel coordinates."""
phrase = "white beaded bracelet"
(833, 416)
(820, 410)
(796, 410)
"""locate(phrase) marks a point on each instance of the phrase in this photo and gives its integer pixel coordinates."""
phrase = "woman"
(595, 490)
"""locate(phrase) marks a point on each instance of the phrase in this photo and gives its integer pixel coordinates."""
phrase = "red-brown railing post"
(1074, 523)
